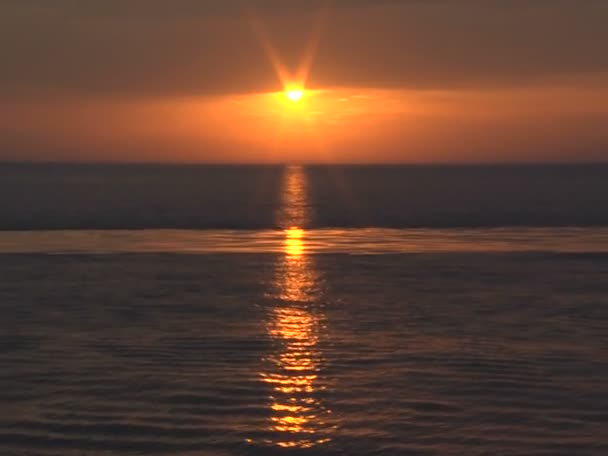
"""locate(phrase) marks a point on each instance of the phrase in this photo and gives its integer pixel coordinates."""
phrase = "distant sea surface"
(365, 310)
(39, 197)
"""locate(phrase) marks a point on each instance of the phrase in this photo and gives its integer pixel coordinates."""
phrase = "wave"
(341, 241)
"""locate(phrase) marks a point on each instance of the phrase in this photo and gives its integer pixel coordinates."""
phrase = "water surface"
(296, 337)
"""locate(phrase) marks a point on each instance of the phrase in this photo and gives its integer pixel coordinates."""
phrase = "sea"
(326, 310)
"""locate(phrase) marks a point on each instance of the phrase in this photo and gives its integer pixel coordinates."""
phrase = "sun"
(294, 95)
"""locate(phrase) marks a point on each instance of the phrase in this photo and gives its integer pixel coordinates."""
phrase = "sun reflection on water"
(299, 419)
(294, 246)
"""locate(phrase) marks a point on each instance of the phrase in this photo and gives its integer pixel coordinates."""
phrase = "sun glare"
(294, 95)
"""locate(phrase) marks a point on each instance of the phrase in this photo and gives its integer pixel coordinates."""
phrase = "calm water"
(305, 330)
(250, 197)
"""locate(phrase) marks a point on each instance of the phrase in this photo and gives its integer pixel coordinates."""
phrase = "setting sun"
(295, 94)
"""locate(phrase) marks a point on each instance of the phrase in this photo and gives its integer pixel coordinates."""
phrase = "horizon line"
(303, 164)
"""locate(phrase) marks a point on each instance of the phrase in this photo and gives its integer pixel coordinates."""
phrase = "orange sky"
(398, 81)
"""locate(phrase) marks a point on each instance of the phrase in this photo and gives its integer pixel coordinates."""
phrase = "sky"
(410, 81)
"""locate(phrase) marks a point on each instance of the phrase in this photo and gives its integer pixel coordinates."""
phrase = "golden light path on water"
(298, 416)
(357, 241)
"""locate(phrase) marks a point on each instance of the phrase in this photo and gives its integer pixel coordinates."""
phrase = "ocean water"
(52, 197)
(323, 311)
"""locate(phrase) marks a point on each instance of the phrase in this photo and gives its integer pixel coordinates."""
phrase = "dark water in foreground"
(328, 354)
(323, 341)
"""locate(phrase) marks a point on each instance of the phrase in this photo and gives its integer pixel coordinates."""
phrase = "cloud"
(201, 47)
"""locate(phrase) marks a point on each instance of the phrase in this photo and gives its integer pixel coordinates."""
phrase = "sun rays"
(300, 113)
(294, 82)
